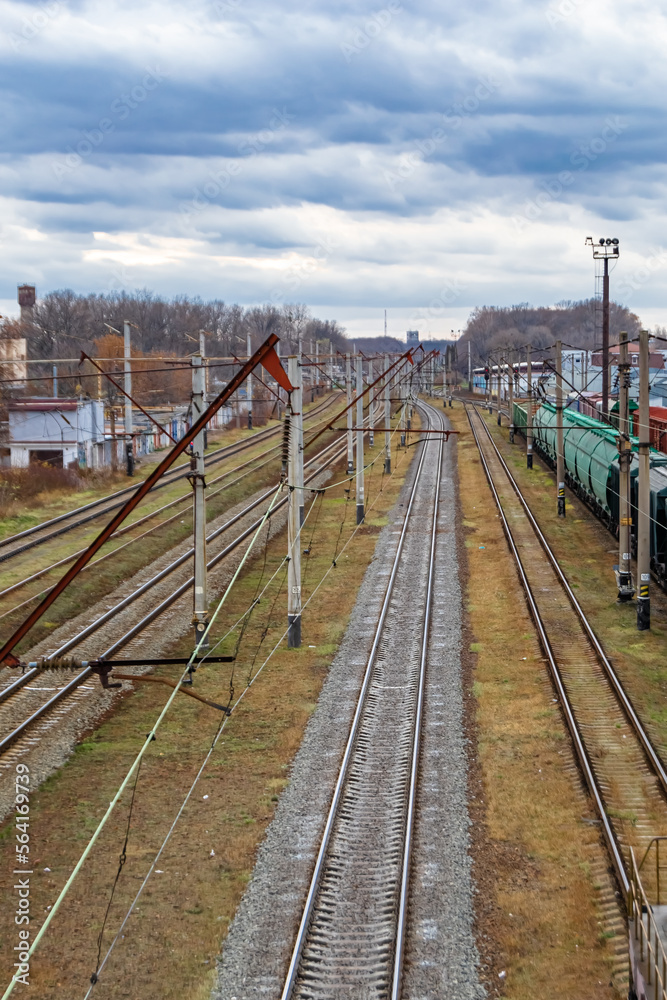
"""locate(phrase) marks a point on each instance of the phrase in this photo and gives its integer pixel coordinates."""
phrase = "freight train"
(591, 471)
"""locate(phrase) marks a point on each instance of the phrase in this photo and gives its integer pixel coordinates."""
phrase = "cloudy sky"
(424, 157)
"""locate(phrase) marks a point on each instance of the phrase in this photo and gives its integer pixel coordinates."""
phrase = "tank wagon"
(591, 471)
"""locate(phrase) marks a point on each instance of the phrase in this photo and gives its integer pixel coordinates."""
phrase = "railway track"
(23, 541)
(223, 482)
(351, 936)
(623, 771)
(38, 698)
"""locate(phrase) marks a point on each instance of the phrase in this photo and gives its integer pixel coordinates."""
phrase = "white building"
(62, 432)
(13, 361)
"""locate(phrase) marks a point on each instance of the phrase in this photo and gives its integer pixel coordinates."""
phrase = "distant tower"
(412, 338)
(27, 297)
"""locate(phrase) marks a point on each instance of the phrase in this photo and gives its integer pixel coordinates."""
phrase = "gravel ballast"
(440, 950)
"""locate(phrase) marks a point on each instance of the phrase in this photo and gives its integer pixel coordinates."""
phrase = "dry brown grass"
(533, 850)
(587, 552)
(172, 940)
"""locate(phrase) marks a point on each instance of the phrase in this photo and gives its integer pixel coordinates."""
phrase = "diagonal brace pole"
(264, 355)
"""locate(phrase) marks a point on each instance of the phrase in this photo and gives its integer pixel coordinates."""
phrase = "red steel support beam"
(261, 356)
(407, 356)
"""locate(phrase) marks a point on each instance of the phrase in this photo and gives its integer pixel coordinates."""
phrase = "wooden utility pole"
(560, 457)
(350, 440)
(127, 366)
(529, 411)
(624, 572)
(293, 522)
(387, 416)
(360, 441)
(644, 497)
(200, 618)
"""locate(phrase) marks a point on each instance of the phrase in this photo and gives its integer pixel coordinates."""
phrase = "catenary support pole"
(200, 616)
(114, 442)
(624, 572)
(371, 419)
(606, 367)
(560, 456)
(469, 369)
(248, 385)
(402, 401)
(499, 392)
(348, 389)
(293, 524)
(529, 411)
(127, 367)
(510, 379)
(202, 353)
(297, 418)
(387, 417)
(360, 441)
(55, 381)
(644, 496)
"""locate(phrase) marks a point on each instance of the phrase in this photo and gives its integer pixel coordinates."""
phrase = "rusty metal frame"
(261, 354)
(328, 427)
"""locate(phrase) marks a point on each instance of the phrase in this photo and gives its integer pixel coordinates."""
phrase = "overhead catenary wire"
(219, 733)
(137, 761)
(151, 735)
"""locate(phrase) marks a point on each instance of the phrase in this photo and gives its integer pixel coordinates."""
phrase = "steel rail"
(84, 674)
(16, 685)
(563, 699)
(170, 477)
(304, 925)
(622, 696)
(135, 524)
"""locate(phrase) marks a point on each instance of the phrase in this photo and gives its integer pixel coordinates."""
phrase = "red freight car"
(658, 427)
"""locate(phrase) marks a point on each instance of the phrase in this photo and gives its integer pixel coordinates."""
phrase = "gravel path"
(440, 948)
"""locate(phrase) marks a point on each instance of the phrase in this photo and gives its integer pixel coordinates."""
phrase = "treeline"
(510, 328)
(65, 323)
